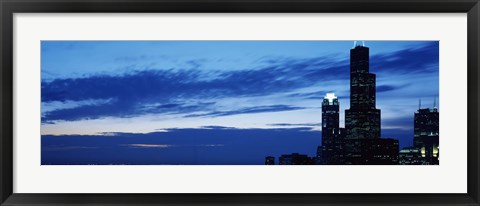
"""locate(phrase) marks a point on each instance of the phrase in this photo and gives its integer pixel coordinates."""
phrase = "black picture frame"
(10, 7)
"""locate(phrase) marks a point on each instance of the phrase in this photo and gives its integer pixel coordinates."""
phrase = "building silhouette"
(426, 134)
(425, 148)
(410, 156)
(295, 159)
(379, 151)
(362, 120)
(363, 143)
(360, 142)
(269, 160)
(331, 151)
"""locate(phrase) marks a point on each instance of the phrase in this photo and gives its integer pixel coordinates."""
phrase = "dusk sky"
(200, 99)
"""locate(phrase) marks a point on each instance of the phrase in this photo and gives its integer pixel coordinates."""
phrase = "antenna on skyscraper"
(419, 103)
(434, 102)
(356, 43)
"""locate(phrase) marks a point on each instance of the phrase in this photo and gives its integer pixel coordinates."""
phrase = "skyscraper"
(363, 143)
(331, 151)
(426, 134)
(360, 143)
(362, 120)
(330, 115)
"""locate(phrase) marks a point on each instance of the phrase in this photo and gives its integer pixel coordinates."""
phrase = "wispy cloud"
(248, 110)
(386, 87)
(217, 127)
(163, 146)
(415, 60)
(160, 146)
(194, 92)
(66, 148)
(295, 125)
(212, 145)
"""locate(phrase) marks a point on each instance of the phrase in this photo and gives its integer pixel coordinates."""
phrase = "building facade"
(362, 120)
(410, 156)
(426, 134)
(363, 143)
(331, 151)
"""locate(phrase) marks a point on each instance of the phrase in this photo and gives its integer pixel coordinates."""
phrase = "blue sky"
(104, 88)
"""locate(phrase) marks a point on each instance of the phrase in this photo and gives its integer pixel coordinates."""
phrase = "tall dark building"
(426, 134)
(360, 142)
(331, 151)
(362, 120)
(330, 116)
(363, 143)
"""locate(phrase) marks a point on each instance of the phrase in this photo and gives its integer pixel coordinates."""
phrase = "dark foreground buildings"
(410, 156)
(360, 142)
(425, 139)
(295, 159)
(269, 160)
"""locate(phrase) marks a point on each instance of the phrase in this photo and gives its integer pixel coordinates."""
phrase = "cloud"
(387, 88)
(163, 146)
(212, 145)
(416, 60)
(217, 127)
(66, 148)
(310, 95)
(182, 146)
(160, 146)
(193, 91)
(248, 110)
(405, 122)
(175, 108)
(190, 146)
(295, 125)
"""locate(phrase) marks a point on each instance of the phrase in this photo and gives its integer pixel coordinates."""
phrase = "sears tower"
(362, 120)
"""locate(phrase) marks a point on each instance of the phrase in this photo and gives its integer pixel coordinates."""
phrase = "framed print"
(239, 102)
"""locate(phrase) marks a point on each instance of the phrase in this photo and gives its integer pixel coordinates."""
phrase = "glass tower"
(331, 151)
(362, 120)
(426, 137)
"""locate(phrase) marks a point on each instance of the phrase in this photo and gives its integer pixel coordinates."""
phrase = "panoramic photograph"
(240, 102)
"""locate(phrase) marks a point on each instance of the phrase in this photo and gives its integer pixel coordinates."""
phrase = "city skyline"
(259, 92)
(361, 142)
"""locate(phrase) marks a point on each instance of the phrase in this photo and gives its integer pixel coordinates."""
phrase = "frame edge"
(473, 39)
(6, 102)
(7, 197)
